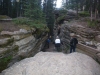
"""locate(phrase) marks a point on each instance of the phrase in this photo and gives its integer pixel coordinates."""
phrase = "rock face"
(55, 64)
(17, 45)
(65, 37)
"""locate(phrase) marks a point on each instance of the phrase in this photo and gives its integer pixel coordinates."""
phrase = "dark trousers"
(72, 49)
(57, 45)
(47, 44)
(58, 49)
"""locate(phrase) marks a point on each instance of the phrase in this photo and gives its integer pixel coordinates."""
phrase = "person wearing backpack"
(73, 43)
(58, 43)
(48, 42)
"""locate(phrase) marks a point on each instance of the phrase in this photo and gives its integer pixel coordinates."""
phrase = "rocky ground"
(17, 43)
(8, 26)
(26, 43)
(85, 34)
(46, 63)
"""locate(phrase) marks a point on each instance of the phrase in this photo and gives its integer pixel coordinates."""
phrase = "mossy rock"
(4, 62)
(15, 48)
(8, 55)
(60, 18)
(8, 42)
(3, 17)
(10, 51)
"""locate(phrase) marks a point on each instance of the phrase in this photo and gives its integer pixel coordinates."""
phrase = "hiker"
(59, 29)
(57, 43)
(73, 42)
(48, 41)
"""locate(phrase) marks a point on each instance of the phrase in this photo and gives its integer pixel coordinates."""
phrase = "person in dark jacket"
(73, 43)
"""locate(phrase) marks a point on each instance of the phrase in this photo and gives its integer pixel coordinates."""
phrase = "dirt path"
(51, 48)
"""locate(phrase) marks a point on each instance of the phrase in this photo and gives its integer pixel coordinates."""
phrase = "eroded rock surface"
(55, 64)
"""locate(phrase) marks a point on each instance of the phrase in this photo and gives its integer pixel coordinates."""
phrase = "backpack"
(73, 42)
(48, 40)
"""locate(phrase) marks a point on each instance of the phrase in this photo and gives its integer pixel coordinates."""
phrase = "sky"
(59, 3)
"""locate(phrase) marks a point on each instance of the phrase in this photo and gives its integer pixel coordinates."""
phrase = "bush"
(60, 18)
(1, 29)
(26, 21)
(38, 24)
(4, 62)
(92, 23)
(3, 17)
(63, 11)
(84, 14)
(21, 21)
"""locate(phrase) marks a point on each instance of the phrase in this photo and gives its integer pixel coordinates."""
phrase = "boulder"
(26, 44)
(6, 33)
(81, 30)
(97, 38)
(16, 37)
(98, 57)
(21, 31)
(6, 41)
(25, 41)
(3, 41)
(2, 50)
(45, 63)
(98, 46)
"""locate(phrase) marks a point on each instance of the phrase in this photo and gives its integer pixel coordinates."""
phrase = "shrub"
(21, 21)
(84, 14)
(38, 24)
(92, 23)
(4, 62)
(26, 21)
(1, 29)
(60, 18)
(3, 17)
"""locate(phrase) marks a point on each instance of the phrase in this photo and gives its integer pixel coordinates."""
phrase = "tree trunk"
(91, 10)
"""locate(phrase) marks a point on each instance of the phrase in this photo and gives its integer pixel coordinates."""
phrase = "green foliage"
(33, 10)
(1, 29)
(3, 17)
(21, 21)
(4, 62)
(60, 18)
(9, 41)
(92, 23)
(62, 11)
(84, 14)
(15, 48)
(25, 21)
